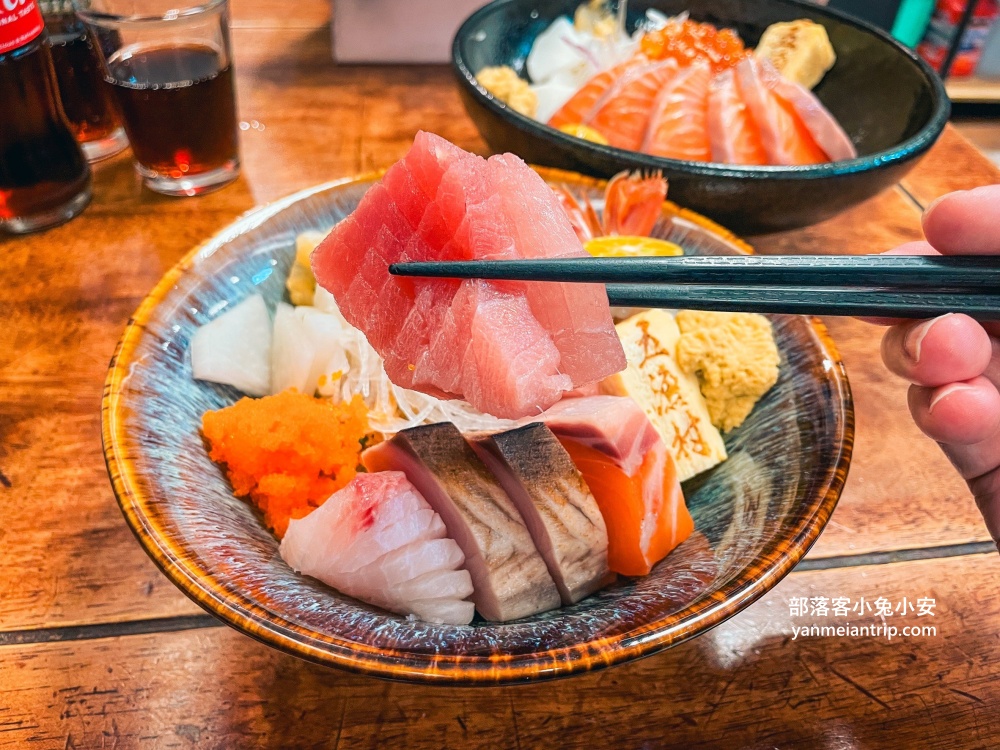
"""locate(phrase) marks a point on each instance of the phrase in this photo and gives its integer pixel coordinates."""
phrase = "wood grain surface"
(746, 684)
(69, 568)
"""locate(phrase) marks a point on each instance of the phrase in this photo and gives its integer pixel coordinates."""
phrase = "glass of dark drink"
(171, 74)
(86, 98)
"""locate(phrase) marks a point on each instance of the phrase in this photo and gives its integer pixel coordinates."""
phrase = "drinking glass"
(86, 98)
(169, 64)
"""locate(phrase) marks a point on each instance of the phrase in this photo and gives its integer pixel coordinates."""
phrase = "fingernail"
(937, 200)
(943, 393)
(913, 340)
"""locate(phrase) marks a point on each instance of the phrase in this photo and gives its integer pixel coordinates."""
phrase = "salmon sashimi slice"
(628, 470)
(732, 133)
(510, 349)
(624, 118)
(678, 126)
(584, 103)
(822, 126)
(509, 576)
(378, 540)
(785, 137)
(559, 509)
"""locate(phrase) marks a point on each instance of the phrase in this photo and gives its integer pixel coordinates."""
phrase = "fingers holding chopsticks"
(965, 222)
(947, 349)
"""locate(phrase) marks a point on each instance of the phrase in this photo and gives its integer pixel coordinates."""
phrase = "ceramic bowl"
(755, 515)
(888, 100)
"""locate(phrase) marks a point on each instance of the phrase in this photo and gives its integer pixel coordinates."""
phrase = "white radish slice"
(235, 348)
(324, 332)
(292, 353)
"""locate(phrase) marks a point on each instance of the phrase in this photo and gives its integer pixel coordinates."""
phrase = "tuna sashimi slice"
(786, 139)
(509, 576)
(509, 349)
(562, 515)
(678, 125)
(627, 468)
(734, 136)
(379, 541)
(822, 126)
(624, 117)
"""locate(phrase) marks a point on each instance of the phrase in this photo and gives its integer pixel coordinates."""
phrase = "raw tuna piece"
(626, 466)
(555, 503)
(379, 541)
(508, 574)
(510, 349)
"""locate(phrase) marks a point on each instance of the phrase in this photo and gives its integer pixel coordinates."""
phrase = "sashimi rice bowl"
(469, 480)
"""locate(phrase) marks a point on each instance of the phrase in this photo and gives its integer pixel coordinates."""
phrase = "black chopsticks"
(873, 285)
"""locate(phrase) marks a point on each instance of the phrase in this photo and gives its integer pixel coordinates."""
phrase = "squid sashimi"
(378, 540)
(785, 137)
(508, 349)
(624, 118)
(732, 133)
(584, 103)
(678, 125)
(627, 468)
(822, 126)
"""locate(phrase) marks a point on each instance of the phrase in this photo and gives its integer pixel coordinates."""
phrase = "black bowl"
(888, 100)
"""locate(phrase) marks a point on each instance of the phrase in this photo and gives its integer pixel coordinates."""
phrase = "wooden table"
(98, 649)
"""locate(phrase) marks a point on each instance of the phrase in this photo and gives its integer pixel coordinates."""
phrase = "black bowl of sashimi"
(888, 100)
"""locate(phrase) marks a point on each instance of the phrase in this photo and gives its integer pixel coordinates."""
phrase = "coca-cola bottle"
(44, 177)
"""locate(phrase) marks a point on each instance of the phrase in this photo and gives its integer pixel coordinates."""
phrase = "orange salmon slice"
(785, 137)
(624, 117)
(734, 136)
(644, 512)
(678, 128)
(584, 103)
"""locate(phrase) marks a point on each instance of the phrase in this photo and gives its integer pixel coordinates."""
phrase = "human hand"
(952, 361)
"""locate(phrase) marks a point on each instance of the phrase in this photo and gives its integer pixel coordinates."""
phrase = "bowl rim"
(241, 613)
(901, 152)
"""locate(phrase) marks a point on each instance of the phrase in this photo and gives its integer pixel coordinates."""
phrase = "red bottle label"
(20, 22)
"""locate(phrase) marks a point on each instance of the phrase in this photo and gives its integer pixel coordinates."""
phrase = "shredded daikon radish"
(391, 408)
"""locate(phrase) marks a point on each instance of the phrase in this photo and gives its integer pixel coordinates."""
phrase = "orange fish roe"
(686, 41)
(288, 453)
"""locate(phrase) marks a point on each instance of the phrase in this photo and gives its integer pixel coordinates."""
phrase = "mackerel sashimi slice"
(510, 349)
(379, 541)
(509, 575)
(555, 503)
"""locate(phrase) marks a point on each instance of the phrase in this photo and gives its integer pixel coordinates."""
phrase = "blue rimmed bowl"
(755, 515)
(888, 100)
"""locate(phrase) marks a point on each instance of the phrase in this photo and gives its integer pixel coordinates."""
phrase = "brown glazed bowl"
(755, 515)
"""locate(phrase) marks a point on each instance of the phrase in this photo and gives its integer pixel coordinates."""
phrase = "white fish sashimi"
(379, 541)
(235, 348)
